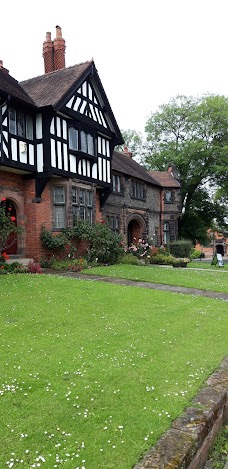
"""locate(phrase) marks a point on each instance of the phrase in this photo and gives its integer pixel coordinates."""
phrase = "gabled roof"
(10, 87)
(124, 164)
(165, 179)
(56, 88)
(50, 88)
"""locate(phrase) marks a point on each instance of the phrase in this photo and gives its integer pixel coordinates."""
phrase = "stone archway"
(136, 228)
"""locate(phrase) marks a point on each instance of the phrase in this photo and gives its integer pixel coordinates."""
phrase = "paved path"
(149, 285)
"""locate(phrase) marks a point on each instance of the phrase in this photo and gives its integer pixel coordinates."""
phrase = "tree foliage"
(192, 133)
(133, 140)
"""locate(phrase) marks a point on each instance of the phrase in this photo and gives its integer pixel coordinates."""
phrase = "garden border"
(187, 444)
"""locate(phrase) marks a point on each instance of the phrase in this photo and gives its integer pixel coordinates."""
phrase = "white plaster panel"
(40, 160)
(31, 154)
(69, 104)
(84, 167)
(58, 122)
(14, 149)
(53, 155)
(100, 169)
(5, 149)
(77, 102)
(88, 169)
(99, 144)
(94, 171)
(65, 159)
(73, 163)
(108, 148)
(83, 107)
(5, 135)
(104, 170)
(64, 129)
(59, 154)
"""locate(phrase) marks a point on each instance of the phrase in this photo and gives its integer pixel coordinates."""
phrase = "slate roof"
(49, 89)
(165, 179)
(10, 86)
(124, 164)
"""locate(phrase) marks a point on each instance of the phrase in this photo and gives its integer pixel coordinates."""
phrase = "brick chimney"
(126, 152)
(48, 54)
(59, 50)
(3, 68)
(54, 52)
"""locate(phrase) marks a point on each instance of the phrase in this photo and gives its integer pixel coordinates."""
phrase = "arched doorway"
(12, 240)
(136, 228)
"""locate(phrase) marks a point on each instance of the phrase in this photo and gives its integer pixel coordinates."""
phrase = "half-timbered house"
(58, 133)
(58, 164)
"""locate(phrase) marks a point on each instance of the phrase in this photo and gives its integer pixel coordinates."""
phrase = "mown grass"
(207, 265)
(205, 280)
(92, 373)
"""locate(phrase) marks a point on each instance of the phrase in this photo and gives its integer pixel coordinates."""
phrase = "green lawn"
(207, 265)
(201, 279)
(93, 373)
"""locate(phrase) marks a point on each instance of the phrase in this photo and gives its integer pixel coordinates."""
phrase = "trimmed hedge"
(181, 248)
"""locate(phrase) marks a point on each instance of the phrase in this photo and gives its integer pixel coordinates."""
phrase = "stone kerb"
(186, 445)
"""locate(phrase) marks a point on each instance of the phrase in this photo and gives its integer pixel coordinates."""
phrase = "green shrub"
(128, 259)
(162, 259)
(14, 268)
(105, 245)
(46, 261)
(195, 253)
(52, 242)
(181, 248)
(75, 265)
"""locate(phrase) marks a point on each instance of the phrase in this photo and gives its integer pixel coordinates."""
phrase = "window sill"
(82, 154)
(143, 199)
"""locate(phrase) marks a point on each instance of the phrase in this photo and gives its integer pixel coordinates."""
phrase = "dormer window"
(80, 140)
(20, 124)
(73, 138)
(87, 143)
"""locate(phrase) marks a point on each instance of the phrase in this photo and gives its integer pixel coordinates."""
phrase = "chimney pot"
(126, 152)
(58, 31)
(48, 54)
(59, 50)
(3, 68)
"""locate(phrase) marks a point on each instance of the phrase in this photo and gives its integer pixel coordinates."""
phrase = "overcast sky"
(145, 51)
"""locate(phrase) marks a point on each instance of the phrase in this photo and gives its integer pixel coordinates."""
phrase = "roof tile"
(50, 88)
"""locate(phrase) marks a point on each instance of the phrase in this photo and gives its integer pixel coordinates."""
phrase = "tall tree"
(193, 134)
(133, 140)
